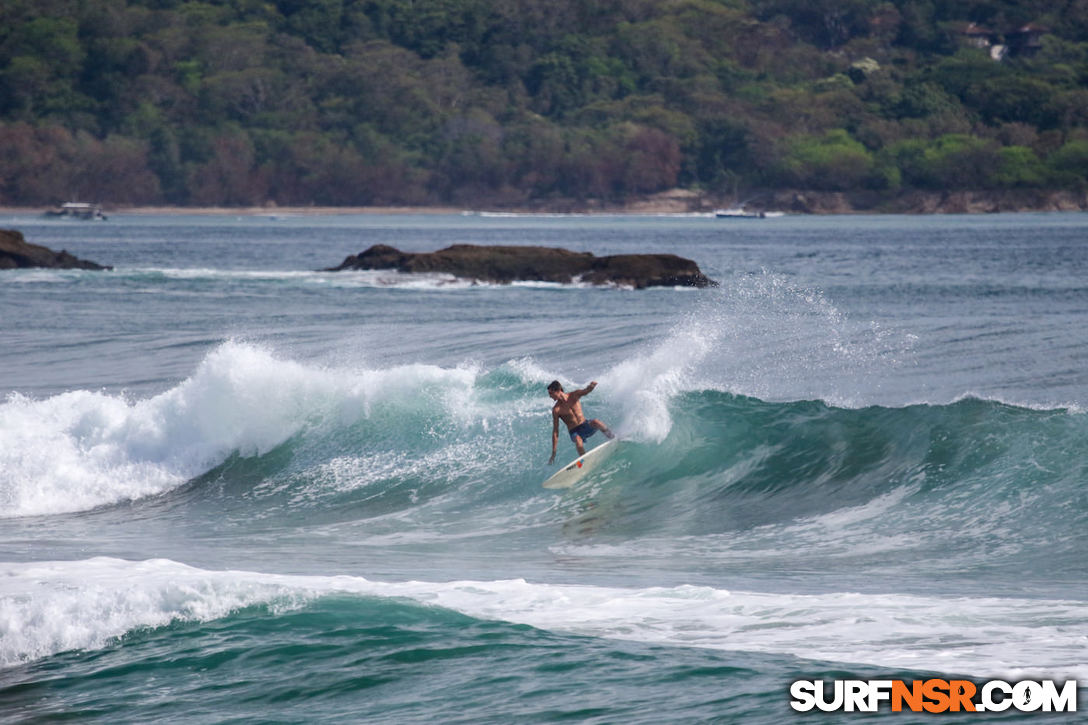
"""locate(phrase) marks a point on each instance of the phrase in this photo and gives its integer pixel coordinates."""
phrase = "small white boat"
(78, 210)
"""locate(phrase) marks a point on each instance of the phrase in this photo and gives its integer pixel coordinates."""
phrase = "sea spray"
(757, 335)
(773, 339)
(648, 382)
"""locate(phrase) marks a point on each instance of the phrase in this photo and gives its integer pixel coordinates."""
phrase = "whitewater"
(236, 488)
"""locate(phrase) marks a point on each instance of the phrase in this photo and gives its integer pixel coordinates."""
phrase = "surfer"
(568, 408)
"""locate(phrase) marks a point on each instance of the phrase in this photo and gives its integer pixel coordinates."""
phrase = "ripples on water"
(863, 453)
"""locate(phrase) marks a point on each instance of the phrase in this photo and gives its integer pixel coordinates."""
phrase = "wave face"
(241, 644)
(420, 455)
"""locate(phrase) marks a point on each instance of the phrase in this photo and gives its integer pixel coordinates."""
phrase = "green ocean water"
(233, 489)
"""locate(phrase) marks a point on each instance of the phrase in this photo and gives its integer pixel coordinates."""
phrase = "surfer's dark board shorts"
(585, 430)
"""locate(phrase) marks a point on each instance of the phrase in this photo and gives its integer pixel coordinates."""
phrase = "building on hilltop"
(1026, 40)
(1023, 41)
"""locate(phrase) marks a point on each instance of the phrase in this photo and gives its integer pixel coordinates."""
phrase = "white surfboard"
(571, 473)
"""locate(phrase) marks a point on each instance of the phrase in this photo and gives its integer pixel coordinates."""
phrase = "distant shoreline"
(154, 210)
(285, 210)
(676, 201)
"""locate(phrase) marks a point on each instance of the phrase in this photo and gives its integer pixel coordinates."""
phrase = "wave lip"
(80, 450)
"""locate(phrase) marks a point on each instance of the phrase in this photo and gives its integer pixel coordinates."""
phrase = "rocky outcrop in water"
(16, 252)
(503, 265)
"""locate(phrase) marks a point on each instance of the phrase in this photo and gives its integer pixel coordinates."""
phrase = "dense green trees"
(512, 101)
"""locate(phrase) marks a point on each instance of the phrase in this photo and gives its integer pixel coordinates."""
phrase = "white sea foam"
(50, 607)
(362, 278)
(37, 275)
(212, 273)
(377, 278)
(529, 370)
(84, 449)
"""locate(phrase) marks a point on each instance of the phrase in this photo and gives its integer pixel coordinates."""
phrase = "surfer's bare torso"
(569, 410)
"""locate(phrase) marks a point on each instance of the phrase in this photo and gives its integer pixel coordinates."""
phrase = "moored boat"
(78, 210)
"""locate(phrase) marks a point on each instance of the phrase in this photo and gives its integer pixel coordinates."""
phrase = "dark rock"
(16, 252)
(542, 264)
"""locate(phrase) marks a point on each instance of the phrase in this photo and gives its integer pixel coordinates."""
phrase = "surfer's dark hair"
(553, 386)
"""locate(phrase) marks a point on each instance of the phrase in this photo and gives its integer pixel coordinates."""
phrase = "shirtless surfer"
(568, 408)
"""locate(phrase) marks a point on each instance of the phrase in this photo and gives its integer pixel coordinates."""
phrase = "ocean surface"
(236, 489)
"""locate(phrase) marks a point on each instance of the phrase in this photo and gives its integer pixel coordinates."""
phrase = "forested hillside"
(508, 102)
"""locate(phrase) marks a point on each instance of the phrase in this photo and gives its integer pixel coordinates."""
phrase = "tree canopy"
(505, 102)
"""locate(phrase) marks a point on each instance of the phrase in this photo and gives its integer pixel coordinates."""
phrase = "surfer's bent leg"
(602, 428)
(579, 444)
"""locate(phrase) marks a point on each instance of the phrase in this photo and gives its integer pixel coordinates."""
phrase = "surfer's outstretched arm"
(584, 391)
